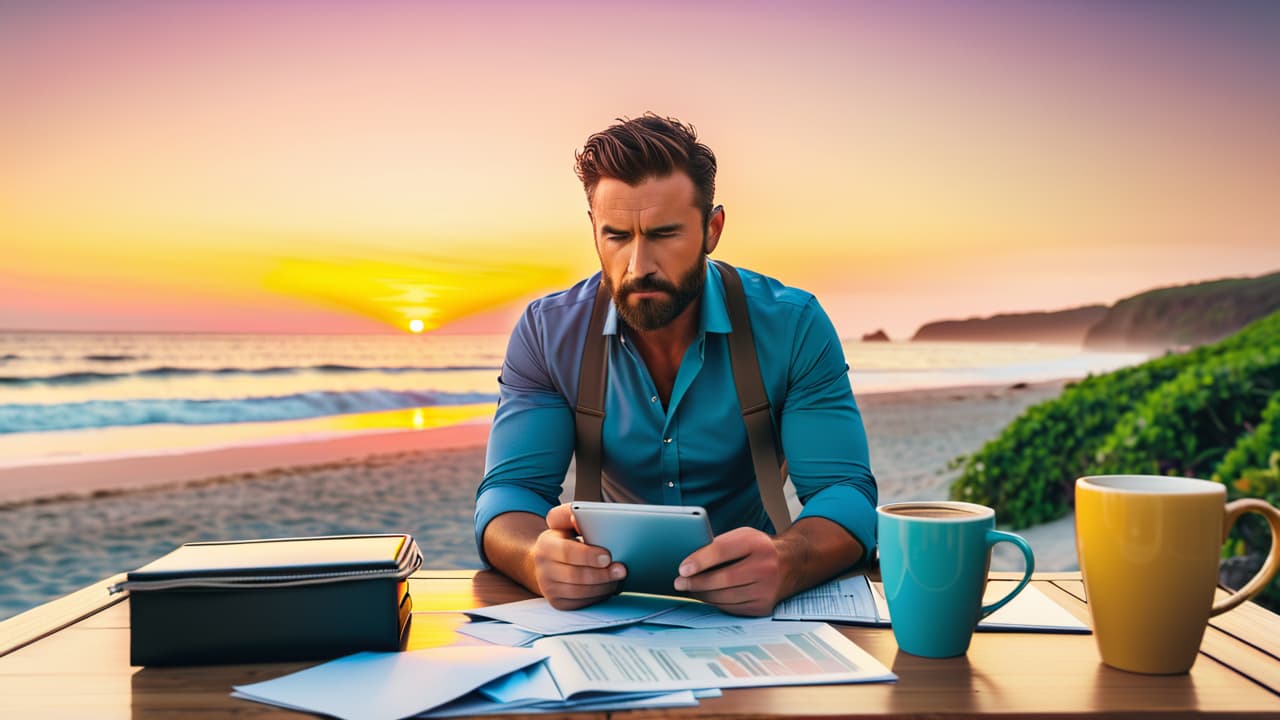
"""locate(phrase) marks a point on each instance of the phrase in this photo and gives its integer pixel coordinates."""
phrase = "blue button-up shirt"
(695, 450)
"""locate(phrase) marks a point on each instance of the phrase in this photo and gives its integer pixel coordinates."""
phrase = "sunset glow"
(355, 167)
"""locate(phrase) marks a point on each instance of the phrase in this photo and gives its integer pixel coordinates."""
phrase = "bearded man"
(673, 429)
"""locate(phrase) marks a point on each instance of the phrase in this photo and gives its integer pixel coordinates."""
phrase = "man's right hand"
(569, 573)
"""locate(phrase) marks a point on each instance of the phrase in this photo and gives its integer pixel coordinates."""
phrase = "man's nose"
(641, 263)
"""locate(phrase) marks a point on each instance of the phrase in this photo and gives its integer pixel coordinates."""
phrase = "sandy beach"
(65, 526)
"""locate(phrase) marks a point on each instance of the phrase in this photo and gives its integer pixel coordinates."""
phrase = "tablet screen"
(650, 540)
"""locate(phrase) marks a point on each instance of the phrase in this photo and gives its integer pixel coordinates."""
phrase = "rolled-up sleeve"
(822, 434)
(531, 440)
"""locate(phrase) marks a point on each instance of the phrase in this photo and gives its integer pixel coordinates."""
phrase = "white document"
(473, 705)
(389, 685)
(681, 613)
(680, 698)
(694, 614)
(499, 633)
(531, 684)
(537, 615)
(755, 655)
(1030, 611)
(856, 600)
(643, 629)
(841, 600)
(534, 690)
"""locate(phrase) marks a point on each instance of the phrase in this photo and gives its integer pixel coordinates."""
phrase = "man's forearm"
(508, 542)
(814, 550)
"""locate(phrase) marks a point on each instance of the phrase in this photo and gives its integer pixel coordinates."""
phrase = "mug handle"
(997, 536)
(1234, 510)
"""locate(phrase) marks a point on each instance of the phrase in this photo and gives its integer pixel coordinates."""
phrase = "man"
(673, 429)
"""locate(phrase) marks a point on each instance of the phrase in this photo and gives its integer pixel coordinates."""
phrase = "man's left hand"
(740, 572)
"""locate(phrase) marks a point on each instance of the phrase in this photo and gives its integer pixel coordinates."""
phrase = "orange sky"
(349, 167)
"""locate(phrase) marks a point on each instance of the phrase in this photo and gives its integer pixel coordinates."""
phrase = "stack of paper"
(537, 616)
(519, 624)
(582, 671)
(631, 651)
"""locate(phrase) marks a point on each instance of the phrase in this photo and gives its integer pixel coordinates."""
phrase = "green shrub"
(1253, 450)
(1260, 483)
(1028, 472)
(1251, 535)
(1187, 425)
(1241, 471)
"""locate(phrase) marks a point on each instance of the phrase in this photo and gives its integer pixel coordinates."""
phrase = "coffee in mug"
(934, 559)
(1149, 547)
(932, 510)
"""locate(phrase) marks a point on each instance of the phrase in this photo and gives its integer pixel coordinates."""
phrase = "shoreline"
(53, 480)
(68, 525)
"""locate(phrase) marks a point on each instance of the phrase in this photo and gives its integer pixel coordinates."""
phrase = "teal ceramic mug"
(934, 559)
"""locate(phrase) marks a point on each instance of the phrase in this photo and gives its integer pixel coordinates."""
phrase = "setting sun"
(416, 325)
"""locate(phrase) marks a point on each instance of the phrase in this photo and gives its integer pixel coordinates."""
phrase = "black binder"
(272, 600)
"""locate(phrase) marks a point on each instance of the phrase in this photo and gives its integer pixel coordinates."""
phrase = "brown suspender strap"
(588, 416)
(753, 400)
(589, 413)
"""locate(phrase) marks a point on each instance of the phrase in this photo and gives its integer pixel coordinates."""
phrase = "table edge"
(44, 620)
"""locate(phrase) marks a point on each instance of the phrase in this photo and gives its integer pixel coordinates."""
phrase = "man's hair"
(648, 146)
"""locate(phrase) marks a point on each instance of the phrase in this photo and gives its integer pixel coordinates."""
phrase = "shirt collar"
(715, 313)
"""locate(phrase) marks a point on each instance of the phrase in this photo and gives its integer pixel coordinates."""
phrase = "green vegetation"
(1254, 450)
(1252, 469)
(1028, 472)
(1214, 411)
(1186, 426)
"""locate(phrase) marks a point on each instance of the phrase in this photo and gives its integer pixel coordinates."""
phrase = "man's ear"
(715, 226)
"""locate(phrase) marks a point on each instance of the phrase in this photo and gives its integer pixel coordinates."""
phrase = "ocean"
(70, 396)
(67, 397)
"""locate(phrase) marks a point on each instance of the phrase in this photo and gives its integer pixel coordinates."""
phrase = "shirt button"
(653, 399)
(666, 441)
(670, 484)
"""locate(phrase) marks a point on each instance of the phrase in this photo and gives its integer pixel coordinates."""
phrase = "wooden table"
(69, 658)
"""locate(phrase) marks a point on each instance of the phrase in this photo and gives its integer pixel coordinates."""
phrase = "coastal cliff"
(1186, 315)
(1168, 318)
(1065, 327)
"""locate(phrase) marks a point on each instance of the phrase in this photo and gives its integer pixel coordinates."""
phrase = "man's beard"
(651, 314)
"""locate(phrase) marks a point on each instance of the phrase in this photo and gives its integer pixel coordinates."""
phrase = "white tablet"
(650, 540)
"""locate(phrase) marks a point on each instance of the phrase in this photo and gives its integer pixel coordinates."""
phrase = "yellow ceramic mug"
(1149, 549)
